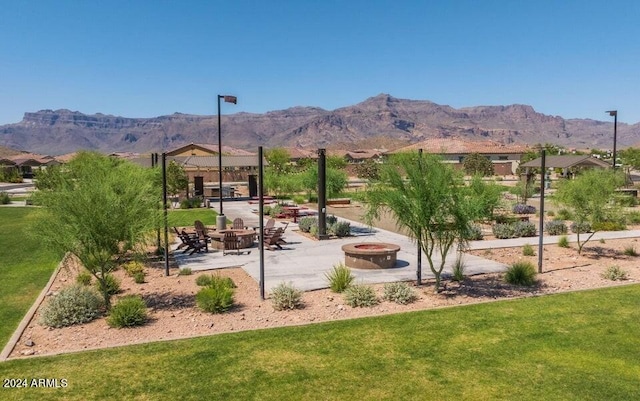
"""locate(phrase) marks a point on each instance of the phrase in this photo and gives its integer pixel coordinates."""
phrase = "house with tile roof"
(505, 158)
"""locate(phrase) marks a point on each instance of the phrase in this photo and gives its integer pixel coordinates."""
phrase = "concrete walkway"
(304, 261)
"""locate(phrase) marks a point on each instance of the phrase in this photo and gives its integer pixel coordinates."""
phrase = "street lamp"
(221, 221)
(614, 113)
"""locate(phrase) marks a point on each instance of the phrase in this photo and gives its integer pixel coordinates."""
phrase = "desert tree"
(98, 208)
(591, 197)
(477, 164)
(177, 180)
(429, 200)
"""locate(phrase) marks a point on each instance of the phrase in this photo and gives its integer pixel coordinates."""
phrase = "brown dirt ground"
(173, 314)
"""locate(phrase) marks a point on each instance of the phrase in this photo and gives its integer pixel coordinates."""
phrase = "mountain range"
(380, 121)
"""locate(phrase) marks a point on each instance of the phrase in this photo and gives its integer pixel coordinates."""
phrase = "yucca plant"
(339, 278)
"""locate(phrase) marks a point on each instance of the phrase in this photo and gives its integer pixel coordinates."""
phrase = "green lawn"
(25, 268)
(578, 346)
(186, 217)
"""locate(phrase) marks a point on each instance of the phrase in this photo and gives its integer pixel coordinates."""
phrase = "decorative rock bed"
(370, 255)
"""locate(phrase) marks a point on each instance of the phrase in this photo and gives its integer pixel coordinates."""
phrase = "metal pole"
(543, 169)
(261, 221)
(615, 134)
(166, 220)
(419, 268)
(154, 164)
(220, 157)
(322, 194)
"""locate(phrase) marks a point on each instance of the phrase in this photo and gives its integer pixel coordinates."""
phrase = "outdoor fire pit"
(370, 255)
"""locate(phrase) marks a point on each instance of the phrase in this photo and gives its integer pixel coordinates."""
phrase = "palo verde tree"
(98, 208)
(590, 196)
(428, 198)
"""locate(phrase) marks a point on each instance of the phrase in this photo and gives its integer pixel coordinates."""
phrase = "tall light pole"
(614, 113)
(221, 221)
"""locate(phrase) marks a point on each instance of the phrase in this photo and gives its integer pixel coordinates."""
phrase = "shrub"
(129, 311)
(524, 229)
(580, 228)
(520, 273)
(132, 268)
(563, 242)
(565, 214)
(275, 210)
(331, 220)
(630, 251)
(339, 278)
(555, 227)
(286, 296)
(111, 283)
(523, 209)
(527, 250)
(633, 217)
(504, 231)
(551, 213)
(305, 223)
(314, 230)
(299, 199)
(475, 233)
(360, 295)
(185, 271)
(614, 273)
(458, 269)
(609, 226)
(399, 293)
(215, 299)
(211, 280)
(138, 277)
(4, 198)
(75, 304)
(627, 201)
(84, 278)
(341, 229)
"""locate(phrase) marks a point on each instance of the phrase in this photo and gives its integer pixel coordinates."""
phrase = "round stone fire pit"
(370, 255)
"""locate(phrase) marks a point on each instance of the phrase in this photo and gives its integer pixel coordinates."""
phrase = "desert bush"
(614, 273)
(111, 284)
(138, 277)
(133, 267)
(84, 278)
(475, 233)
(4, 198)
(340, 229)
(216, 299)
(458, 269)
(609, 226)
(627, 201)
(331, 220)
(630, 251)
(563, 242)
(551, 213)
(185, 271)
(286, 296)
(305, 223)
(504, 231)
(527, 250)
(276, 210)
(556, 227)
(523, 209)
(633, 217)
(299, 199)
(360, 295)
(565, 214)
(521, 273)
(191, 203)
(314, 231)
(214, 280)
(399, 293)
(580, 228)
(525, 229)
(339, 278)
(75, 304)
(129, 311)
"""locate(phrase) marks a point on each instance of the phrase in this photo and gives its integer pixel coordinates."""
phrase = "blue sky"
(133, 58)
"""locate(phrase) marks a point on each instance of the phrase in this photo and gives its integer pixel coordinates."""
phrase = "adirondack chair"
(201, 232)
(232, 244)
(238, 224)
(273, 238)
(191, 243)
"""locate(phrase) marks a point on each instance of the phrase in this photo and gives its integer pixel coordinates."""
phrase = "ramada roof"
(566, 161)
(445, 146)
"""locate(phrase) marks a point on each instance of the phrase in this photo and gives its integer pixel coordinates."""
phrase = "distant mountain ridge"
(381, 119)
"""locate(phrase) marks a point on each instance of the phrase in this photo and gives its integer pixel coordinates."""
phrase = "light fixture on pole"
(221, 221)
(614, 113)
